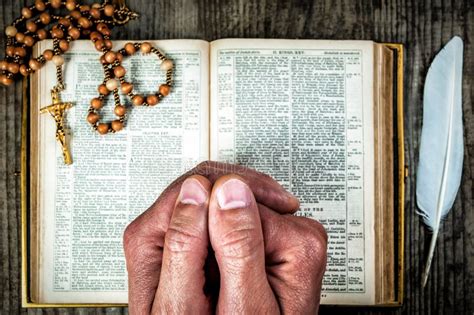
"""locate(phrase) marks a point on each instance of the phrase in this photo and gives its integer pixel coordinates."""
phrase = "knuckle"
(150, 224)
(314, 249)
(240, 242)
(318, 230)
(309, 261)
(142, 256)
(183, 235)
(312, 238)
(129, 236)
(312, 229)
(142, 249)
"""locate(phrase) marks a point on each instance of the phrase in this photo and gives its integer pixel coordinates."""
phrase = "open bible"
(318, 116)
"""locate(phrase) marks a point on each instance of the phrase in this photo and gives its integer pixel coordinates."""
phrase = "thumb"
(182, 279)
(236, 236)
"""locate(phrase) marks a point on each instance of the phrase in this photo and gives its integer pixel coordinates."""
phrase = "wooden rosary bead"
(70, 5)
(13, 67)
(103, 29)
(45, 18)
(119, 71)
(120, 110)
(5, 80)
(166, 65)
(130, 48)
(55, 4)
(126, 87)
(26, 13)
(4, 65)
(103, 128)
(96, 103)
(40, 5)
(74, 32)
(34, 64)
(110, 56)
(111, 84)
(84, 8)
(101, 26)
(42, 34)
(48, 54)
(10, 51)
(119, 57)
(29, 41)
(58, 60)
(164, 89)
(95, 36)
(137, 100)
(95, 13)
(63, 45)
(20, 51)
(20, 37)
(11, 30)
(108, 43)
(24, 70)
(117, 125)
(76, 14)
(99, 44)
(92, 118)
(65, 21)
(103, 43)
(145, 47)
(84, 22)
(152, 100)
(56, 32)
(107, 31)
(31, 26)
(103, 89)
(109, 10)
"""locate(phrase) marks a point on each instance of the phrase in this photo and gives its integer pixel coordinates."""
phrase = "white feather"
(441, 149)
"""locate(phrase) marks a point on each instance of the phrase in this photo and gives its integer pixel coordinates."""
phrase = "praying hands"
(222, 238)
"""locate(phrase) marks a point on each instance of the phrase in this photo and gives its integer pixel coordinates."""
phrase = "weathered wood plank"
(423, 26)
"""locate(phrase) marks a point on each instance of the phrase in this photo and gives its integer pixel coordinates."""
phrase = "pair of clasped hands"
(222, 239)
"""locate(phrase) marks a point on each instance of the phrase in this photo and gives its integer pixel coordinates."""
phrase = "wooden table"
(422, 26)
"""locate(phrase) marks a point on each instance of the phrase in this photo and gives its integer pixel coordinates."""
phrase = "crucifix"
(58, 110)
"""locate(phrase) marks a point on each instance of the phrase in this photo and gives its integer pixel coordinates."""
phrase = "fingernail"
(192, 192)
(234, 194)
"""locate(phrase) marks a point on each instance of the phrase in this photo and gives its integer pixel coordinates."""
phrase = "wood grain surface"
(423, 26)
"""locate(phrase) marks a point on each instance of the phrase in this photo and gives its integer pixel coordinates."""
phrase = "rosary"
(93, 21)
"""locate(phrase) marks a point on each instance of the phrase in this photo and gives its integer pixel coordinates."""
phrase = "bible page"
(86, 206)
(302, 111)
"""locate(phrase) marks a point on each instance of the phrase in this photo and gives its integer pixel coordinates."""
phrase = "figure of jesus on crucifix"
(58, 110)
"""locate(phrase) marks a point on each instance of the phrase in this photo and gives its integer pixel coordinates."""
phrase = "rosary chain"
(92, 21)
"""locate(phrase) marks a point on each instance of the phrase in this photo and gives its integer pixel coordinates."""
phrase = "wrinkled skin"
(196, 258)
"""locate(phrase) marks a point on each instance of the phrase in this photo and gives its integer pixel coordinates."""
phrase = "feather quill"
(441, 149)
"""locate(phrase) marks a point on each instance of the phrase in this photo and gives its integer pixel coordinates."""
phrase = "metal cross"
(58, 111)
